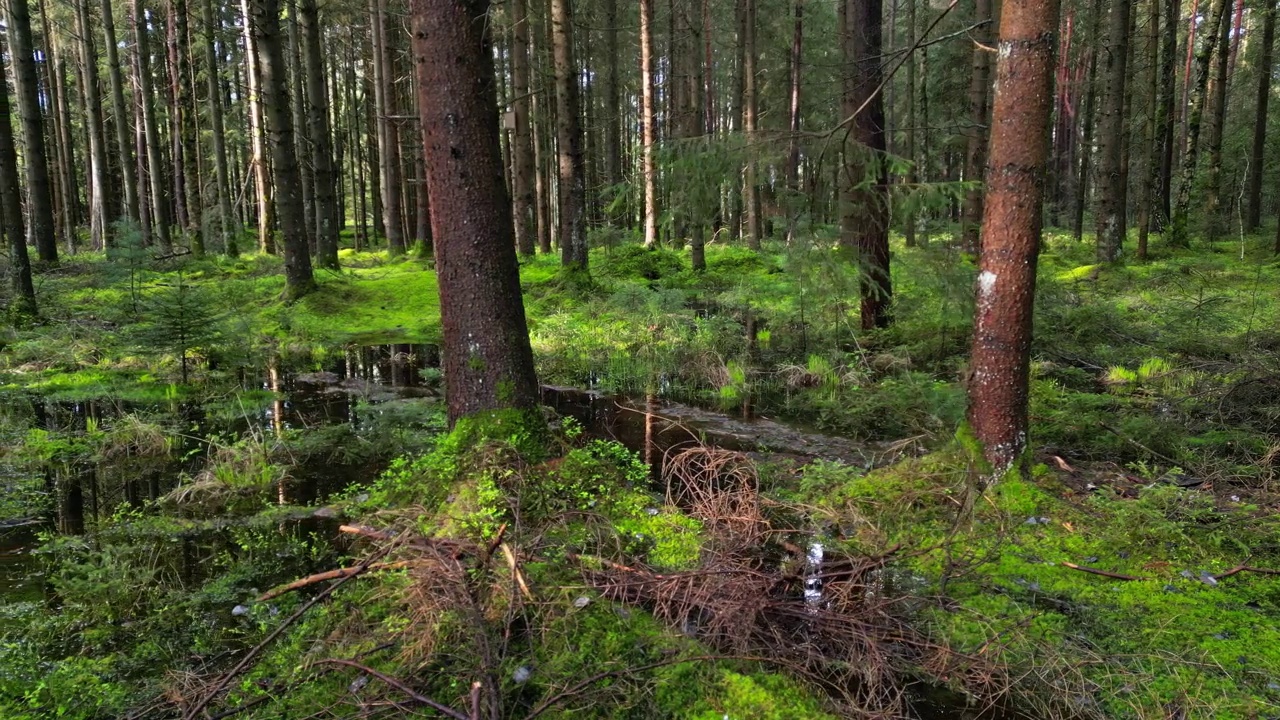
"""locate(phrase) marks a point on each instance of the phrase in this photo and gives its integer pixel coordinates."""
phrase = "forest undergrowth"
(1133, 576)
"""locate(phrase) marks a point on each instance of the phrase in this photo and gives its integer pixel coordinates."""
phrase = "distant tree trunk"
(1151, 174)
(1178, 235)
(754, 227)
(522, 181)
(275, 104)
(793, 124)
(23, 306)
(1258, 154)
(1217, 112)
(1112, 182)
(977, 135)
(486, 350)
(124, 146)
(301, 134)
(1168, 119)
(257, 132)
(913, 169)
(40, 195)
(182, 130)
(326, 214)
(612, 100)
(388, 131)
(648, 124)
(864, 222)
(573, 188)
(63, 151)
(223, 189)
(98, 182)
(1011, 227)
(1086, 135)
(155, 161)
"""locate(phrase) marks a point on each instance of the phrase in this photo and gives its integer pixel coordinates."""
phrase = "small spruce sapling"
(178, 317)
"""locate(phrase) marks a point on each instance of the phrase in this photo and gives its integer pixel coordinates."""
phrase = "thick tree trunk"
(864, 221)
(648, 124)
(1258, 153)
(754, 227)
(1178, 235)
(573, 190)
(522, 180)
(155, 161)
(1112, 182)
(327, 218)
(275, 104)
(40, 195)
(124, 145)
(1217, 111)
(388, 131)
(98, 182)
(23, 305)
(486, 353)
(257, 133)
(975, 159)
(301, 132)
(226, 224)
(1011, 226)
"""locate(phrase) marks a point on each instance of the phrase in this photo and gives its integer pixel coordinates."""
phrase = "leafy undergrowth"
(1120, 594)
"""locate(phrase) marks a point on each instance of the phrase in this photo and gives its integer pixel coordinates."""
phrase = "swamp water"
(367, 391)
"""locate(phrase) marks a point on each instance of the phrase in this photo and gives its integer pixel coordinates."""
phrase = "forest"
(741, 359)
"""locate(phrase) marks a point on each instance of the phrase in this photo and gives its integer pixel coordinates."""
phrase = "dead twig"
(337, 574)
(1103, 573)
(398, 685)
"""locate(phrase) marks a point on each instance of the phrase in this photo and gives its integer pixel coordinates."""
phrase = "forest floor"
(1133, 576)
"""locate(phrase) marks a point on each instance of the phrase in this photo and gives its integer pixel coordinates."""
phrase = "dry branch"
(337, 574)
(1103, 573)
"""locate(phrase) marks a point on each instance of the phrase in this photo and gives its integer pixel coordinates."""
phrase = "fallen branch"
(365, 531)
(337, 574)
(443, 709)
(515, 570)
(1103, 573)
(1246, 568)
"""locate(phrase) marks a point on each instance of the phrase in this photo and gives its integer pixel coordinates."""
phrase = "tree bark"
(793, 124)
(63, 151)
(301, 131)
(1011, 227)
(1217, 111)
(1112, 182)
(976, 136)
(648, 124)
(226, 224)
(257, 133)
(864, 222)
(573, 190)
(23, 305)
(486, 353)
(1178, 235)
(40, 195)
(98, 182)
(1258, 152)
(754, 227)
(275, 104)
(326, 214)
(1151, 174)
(155, 161)
(913, 170)
(388, 131)
(522, 180)
(1168, 120)
(124, 145)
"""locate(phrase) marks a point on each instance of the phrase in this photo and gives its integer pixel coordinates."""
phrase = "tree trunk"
(648, 124)
(1217, 111)
(573, 190)
(1011, 226)
(864, 222)
(301, 134)
(754, 228)
(23, 305)
(63, 151)
(612, 100)
(1151, 174)
(1258, 154)
(40, 196)
(98, 182)
(388, 132)
(522, 180)
(793, 145)
(1112, 183)
(913, 170)
(275, 104)
(486, 353)
(124, 146)
(1178, 235)
(223, 190)
(1086, 134)
(155, 161)
(257, 131)
(975, 158)
(1165, 130)
(327, 217)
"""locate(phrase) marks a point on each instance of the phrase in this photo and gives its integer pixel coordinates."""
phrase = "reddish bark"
(488, 363)
(1011, 227)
